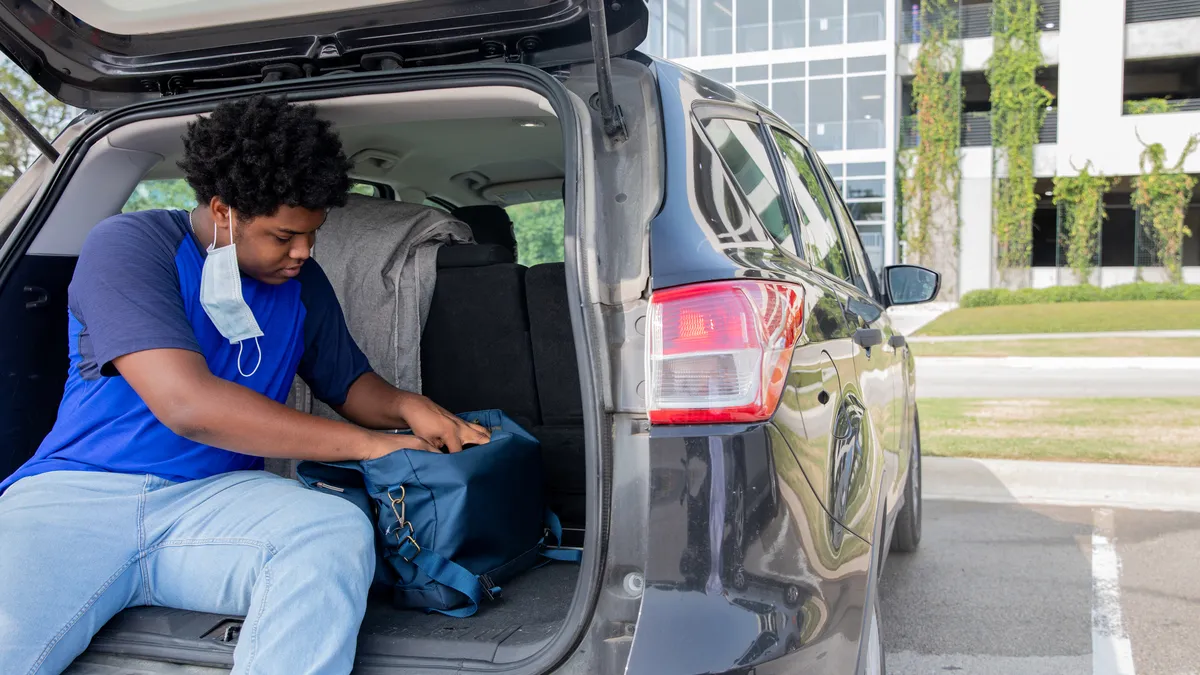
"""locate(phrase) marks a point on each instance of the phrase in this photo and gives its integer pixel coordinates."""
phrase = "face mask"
(222, 300)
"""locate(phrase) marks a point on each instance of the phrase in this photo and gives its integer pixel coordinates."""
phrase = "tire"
(906, 536)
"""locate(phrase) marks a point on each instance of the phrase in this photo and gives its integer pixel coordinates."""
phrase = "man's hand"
(436, 425)
(375, 404)
(386, 444)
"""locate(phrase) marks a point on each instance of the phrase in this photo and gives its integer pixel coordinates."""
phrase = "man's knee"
(341, 540)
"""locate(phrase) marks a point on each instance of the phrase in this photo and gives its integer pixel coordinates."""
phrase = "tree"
(47, 114)
(539, 231)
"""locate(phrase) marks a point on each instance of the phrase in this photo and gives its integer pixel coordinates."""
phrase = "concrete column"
(975, 239)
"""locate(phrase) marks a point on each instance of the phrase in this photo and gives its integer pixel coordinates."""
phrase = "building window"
(754, 30)
(787, 100)
(863, 190)
(716, 27)
(864, 106)
(828, 19)
(654, 37)
(679, 33)
(788, 24)
(741, 146)
(865, 21)
(825, 114)
(759, 92)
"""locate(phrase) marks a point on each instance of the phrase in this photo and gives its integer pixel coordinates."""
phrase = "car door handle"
(41, 297)
(897, 341)
(868, 337)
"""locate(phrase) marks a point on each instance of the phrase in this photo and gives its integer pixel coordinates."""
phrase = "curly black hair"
(260, 153)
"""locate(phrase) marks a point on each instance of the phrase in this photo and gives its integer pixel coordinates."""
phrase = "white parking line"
(1112, 653)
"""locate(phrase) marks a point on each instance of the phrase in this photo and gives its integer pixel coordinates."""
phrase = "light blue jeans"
(77, 547)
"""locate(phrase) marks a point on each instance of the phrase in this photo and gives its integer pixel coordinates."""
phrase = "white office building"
(840, 71)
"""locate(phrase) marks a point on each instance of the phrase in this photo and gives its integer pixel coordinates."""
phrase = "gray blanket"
(381, 257)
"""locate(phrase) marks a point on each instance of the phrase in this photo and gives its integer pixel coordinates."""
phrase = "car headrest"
(490, 224)
(477, 255)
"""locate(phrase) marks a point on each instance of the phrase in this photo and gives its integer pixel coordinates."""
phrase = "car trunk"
(523, 360)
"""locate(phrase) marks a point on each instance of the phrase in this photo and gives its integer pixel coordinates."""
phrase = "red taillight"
(719, 351)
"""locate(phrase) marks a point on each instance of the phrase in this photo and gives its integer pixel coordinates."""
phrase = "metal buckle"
(402, 522)
(486, 582)
(402, 512)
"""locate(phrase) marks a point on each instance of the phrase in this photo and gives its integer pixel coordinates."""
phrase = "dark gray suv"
(727, 416)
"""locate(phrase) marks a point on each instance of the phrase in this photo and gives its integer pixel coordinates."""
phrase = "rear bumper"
(741, 571)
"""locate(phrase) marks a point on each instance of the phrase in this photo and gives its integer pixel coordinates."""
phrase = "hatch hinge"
(26, 127)
(382, 61)
(283, 71)
(610, 112)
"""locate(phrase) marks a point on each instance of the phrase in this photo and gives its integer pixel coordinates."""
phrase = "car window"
(538, 227)
(823, 246)
(368, 189)
(172, 193)
(740, 144)
(864, 278)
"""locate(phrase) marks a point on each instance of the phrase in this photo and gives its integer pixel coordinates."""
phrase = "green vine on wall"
(931, 171)
(1018, 110)
(1147, 106)
(1161, 195)
(1082, 199)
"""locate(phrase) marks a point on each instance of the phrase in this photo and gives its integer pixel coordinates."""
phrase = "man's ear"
(220, 212)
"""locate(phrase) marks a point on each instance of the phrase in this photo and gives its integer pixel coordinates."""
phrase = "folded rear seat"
(559, 395)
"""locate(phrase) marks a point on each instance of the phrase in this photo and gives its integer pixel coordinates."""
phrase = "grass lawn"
(1070, 317)
(1087, 347)
(1126, 431)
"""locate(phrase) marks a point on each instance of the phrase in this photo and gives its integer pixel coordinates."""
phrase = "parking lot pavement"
(1015, 589)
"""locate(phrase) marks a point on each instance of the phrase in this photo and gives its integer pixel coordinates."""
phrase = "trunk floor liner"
(529, 613)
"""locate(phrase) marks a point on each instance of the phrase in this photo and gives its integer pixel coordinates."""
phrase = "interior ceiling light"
(531, 124)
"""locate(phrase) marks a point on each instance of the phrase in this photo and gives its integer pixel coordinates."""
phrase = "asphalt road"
(1005, 589)
(954, 377)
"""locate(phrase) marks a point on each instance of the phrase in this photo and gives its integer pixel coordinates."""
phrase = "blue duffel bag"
(450, 528)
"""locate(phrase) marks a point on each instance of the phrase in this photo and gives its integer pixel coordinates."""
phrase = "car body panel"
(742, 569)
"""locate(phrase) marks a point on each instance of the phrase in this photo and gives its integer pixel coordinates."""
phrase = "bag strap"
(448, 573)
(557, 552)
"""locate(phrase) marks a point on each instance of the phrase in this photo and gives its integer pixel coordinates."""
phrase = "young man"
(186, 331)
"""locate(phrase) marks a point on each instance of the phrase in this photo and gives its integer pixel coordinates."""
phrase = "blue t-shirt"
(137, 287)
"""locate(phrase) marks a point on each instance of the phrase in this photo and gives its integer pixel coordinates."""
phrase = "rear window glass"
(172, 193)
(742, 148)
(539, 230)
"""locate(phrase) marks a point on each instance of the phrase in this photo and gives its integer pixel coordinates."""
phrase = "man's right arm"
(183, 394)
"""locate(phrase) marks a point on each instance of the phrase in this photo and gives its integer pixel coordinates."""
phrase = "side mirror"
(911, 285)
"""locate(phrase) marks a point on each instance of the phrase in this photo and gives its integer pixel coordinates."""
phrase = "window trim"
(822, 176)
(703, 112)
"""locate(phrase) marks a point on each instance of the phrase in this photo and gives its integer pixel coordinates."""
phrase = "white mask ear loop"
(256, 364)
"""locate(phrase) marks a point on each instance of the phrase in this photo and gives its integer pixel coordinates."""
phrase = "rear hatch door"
(101, 54)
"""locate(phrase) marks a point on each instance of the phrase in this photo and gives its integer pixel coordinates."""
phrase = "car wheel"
(907, 533)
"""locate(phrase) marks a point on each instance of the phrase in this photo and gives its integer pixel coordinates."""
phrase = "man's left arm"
(338, 373)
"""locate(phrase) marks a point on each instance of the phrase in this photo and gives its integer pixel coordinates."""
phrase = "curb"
(1015, 337)
(1172, 363)
(1006, 481)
